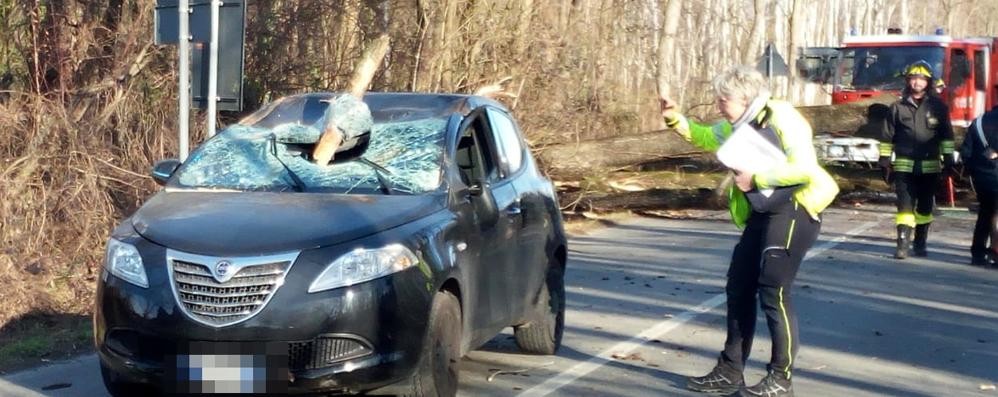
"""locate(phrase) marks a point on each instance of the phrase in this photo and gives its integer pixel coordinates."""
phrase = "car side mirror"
(164, 169)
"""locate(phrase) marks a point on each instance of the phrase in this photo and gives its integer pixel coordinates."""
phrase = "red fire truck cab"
(871, 65)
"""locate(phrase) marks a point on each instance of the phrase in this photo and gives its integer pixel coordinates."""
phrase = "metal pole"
(769, 66)
(184, 67)
(213, 69)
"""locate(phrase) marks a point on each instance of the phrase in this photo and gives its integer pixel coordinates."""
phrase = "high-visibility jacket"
(817, 188)
(918, 134)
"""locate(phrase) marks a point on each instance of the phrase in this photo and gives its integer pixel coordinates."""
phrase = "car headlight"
(363, 265)
(124, 261)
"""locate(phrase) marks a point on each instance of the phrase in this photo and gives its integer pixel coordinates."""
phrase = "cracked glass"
(270, 150)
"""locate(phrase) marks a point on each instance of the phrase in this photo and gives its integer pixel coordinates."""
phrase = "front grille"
(324, 351)
(218, 303)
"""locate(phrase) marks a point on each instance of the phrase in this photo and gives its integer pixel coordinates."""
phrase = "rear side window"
(511, 153)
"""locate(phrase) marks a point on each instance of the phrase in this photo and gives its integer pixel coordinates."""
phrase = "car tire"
(118, 388)
(543, 334)
(437, 374)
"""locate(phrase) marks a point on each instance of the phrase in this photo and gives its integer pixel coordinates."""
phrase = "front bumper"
(350, 339)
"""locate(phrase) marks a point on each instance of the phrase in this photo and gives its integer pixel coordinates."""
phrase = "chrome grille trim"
(211, 282)
(226, 298)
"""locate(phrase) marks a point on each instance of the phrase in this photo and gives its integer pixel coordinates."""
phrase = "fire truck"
(870, 66)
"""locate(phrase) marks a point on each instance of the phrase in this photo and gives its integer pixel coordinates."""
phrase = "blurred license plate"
(229, 368)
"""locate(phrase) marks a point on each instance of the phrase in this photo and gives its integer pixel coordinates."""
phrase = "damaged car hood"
(240, 223)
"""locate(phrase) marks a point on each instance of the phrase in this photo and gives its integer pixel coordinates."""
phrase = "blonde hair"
(740, 82)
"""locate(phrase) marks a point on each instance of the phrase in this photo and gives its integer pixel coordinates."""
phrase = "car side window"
(474, 153)
(508, 137)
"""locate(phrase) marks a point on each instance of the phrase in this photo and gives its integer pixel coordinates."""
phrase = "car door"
(491, 201)
(517, 166)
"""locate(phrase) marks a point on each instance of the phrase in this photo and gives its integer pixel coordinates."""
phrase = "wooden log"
(849, 119)
(651, 199)
(584, 157)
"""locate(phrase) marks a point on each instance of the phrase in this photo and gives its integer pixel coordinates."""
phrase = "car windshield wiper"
(298, 185)
(380, 172)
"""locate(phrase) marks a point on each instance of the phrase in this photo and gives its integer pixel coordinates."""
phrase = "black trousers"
(985, 221)
(916, 197)
(764, 264)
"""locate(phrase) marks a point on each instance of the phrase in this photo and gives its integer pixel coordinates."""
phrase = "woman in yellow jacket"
(779, 227)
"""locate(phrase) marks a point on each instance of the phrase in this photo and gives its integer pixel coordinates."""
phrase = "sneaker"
(773, 385)
(986, 260)
(721, 380)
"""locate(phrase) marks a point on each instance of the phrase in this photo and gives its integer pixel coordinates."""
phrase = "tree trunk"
(668, 59)
(580, 158)
(651, 199)
(753, 46)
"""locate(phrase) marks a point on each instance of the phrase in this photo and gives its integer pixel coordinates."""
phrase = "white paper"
(747, 151)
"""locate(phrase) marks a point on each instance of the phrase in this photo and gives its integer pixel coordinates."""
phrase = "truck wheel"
(437, 374)
(543, 334)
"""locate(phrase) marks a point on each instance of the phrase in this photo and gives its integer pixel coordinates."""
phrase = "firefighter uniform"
(775, 239)
(917, 141)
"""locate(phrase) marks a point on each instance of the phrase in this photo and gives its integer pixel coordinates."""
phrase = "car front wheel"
(543, 334)
(437, 374)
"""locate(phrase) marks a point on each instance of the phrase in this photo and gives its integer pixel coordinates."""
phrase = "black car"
(255, 270)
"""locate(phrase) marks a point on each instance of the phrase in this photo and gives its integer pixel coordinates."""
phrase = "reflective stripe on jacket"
(817, 190)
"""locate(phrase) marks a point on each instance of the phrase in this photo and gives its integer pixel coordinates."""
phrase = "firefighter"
(981, 160)
(917, 141)
(778, 229)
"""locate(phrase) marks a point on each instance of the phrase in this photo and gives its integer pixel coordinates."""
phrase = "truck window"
(980, 73)
(959, 68)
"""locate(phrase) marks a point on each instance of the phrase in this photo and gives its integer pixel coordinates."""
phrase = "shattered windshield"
(881, 68)
(270, 151)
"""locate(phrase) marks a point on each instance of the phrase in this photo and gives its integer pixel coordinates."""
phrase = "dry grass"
(66, 182)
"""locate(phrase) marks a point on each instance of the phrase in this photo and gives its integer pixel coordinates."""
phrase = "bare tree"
(668, 65)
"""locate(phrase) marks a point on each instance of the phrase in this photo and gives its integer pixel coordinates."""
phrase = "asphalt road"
(645, 309)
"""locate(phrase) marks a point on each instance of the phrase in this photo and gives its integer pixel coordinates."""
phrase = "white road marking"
(658, 330)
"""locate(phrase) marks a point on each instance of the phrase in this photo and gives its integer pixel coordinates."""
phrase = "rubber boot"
(904, 241)
(921, 235)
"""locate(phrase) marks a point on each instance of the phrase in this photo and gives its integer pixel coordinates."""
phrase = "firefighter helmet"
(919, 68)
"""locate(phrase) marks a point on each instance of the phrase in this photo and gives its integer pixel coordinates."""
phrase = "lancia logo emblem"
(222, 270)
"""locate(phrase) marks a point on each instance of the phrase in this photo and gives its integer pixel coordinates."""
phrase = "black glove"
(949, 160)
(884, 162)
(950, 171)
(887, 173)
(949, 165)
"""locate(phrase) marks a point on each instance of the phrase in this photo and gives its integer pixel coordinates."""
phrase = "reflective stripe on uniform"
(886, 149)
(931, 166)
(902, 164)
(923, 219)
(905, 218)
(793, 225)
(790, 338)
(947, 147)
